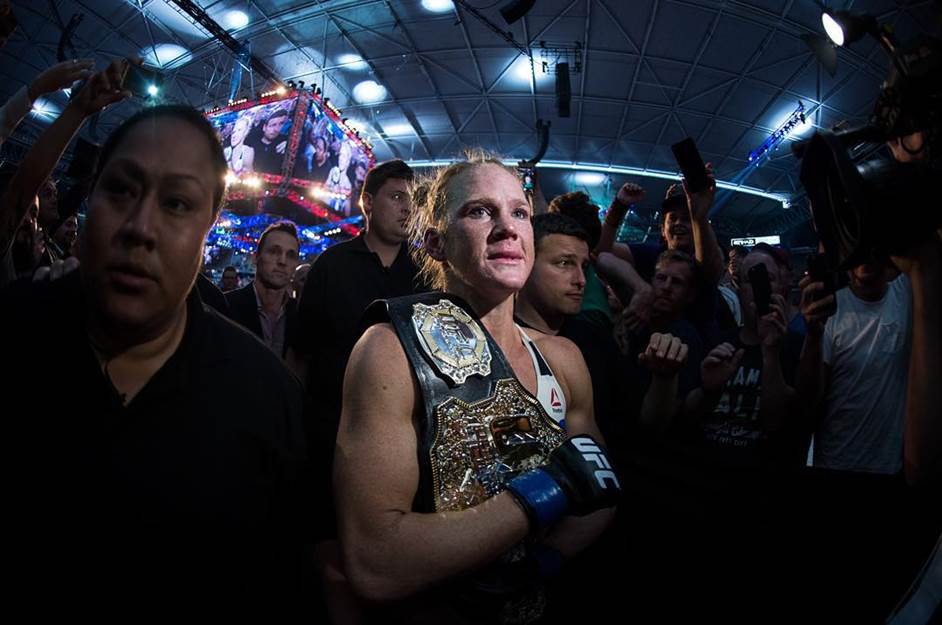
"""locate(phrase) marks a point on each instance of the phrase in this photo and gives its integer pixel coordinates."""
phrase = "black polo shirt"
(190, 496)
(343, 281)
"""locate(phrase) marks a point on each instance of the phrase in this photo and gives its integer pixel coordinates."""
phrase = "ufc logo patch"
(594, 454)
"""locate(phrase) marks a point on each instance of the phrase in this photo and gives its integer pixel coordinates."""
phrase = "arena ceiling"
(425, 79)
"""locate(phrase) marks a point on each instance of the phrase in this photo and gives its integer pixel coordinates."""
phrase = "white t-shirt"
(867, 345)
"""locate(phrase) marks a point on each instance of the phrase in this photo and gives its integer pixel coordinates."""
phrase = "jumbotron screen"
(293, 147)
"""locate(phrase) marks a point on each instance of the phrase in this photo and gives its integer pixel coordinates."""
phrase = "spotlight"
(843, 27)
(152, 90)
(514, 10)
(301, 85)
(280, 90)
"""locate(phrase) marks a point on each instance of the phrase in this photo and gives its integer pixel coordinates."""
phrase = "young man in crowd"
(861, 368)
(265, 305)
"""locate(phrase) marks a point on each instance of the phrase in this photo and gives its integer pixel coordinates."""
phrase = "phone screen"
(526, 174)
(691, 165)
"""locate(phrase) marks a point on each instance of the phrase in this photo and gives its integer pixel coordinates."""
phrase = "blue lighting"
(795, 121)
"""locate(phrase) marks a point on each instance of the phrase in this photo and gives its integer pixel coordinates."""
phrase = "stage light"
(152, 90)
(843, 27)
(832, 28)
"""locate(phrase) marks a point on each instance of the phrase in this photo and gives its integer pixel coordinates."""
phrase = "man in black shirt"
(141, 485)
(346, 278)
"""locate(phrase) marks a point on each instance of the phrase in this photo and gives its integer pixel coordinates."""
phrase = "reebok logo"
(594, 454)
(554, 399)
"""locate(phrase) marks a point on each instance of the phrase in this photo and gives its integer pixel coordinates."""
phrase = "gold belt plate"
(479, 446)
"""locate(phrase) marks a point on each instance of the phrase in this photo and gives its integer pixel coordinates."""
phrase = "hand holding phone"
(691, 166)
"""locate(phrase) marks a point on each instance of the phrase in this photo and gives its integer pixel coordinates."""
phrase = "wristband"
(540, 497)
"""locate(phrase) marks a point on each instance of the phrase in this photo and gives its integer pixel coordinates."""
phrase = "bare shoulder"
(378, 372)
(560, 352)
(564, 358)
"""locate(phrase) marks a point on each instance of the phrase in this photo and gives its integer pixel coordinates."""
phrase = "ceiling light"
(369, 91)
(354, 62)
(438, 6)
(233, 20)
(589, 178)
(397, 130)
(166, 55)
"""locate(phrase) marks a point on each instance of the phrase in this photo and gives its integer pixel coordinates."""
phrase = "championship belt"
(481, 427)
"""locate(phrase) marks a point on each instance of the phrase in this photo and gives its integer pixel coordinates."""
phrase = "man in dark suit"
(265, 306)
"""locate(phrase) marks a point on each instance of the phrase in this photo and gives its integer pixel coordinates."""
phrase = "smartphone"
(691, 165)
(142, 82)
(819, 272)
(761, 288)
(526, 174)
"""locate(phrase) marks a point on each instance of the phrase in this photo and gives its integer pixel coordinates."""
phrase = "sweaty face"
(148, 215)
(277, 260)
(557, 283)
(388, 211)
(673, 288)
(489, 238)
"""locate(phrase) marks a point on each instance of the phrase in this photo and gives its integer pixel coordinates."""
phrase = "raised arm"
(99, 91)
(706, 247)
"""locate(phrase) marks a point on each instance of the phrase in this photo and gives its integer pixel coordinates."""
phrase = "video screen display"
(330, 157)
(255, 139)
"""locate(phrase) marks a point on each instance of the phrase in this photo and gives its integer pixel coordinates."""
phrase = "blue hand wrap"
(541, 497)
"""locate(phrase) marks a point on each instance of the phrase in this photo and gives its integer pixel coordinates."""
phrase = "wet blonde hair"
(430, 195)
